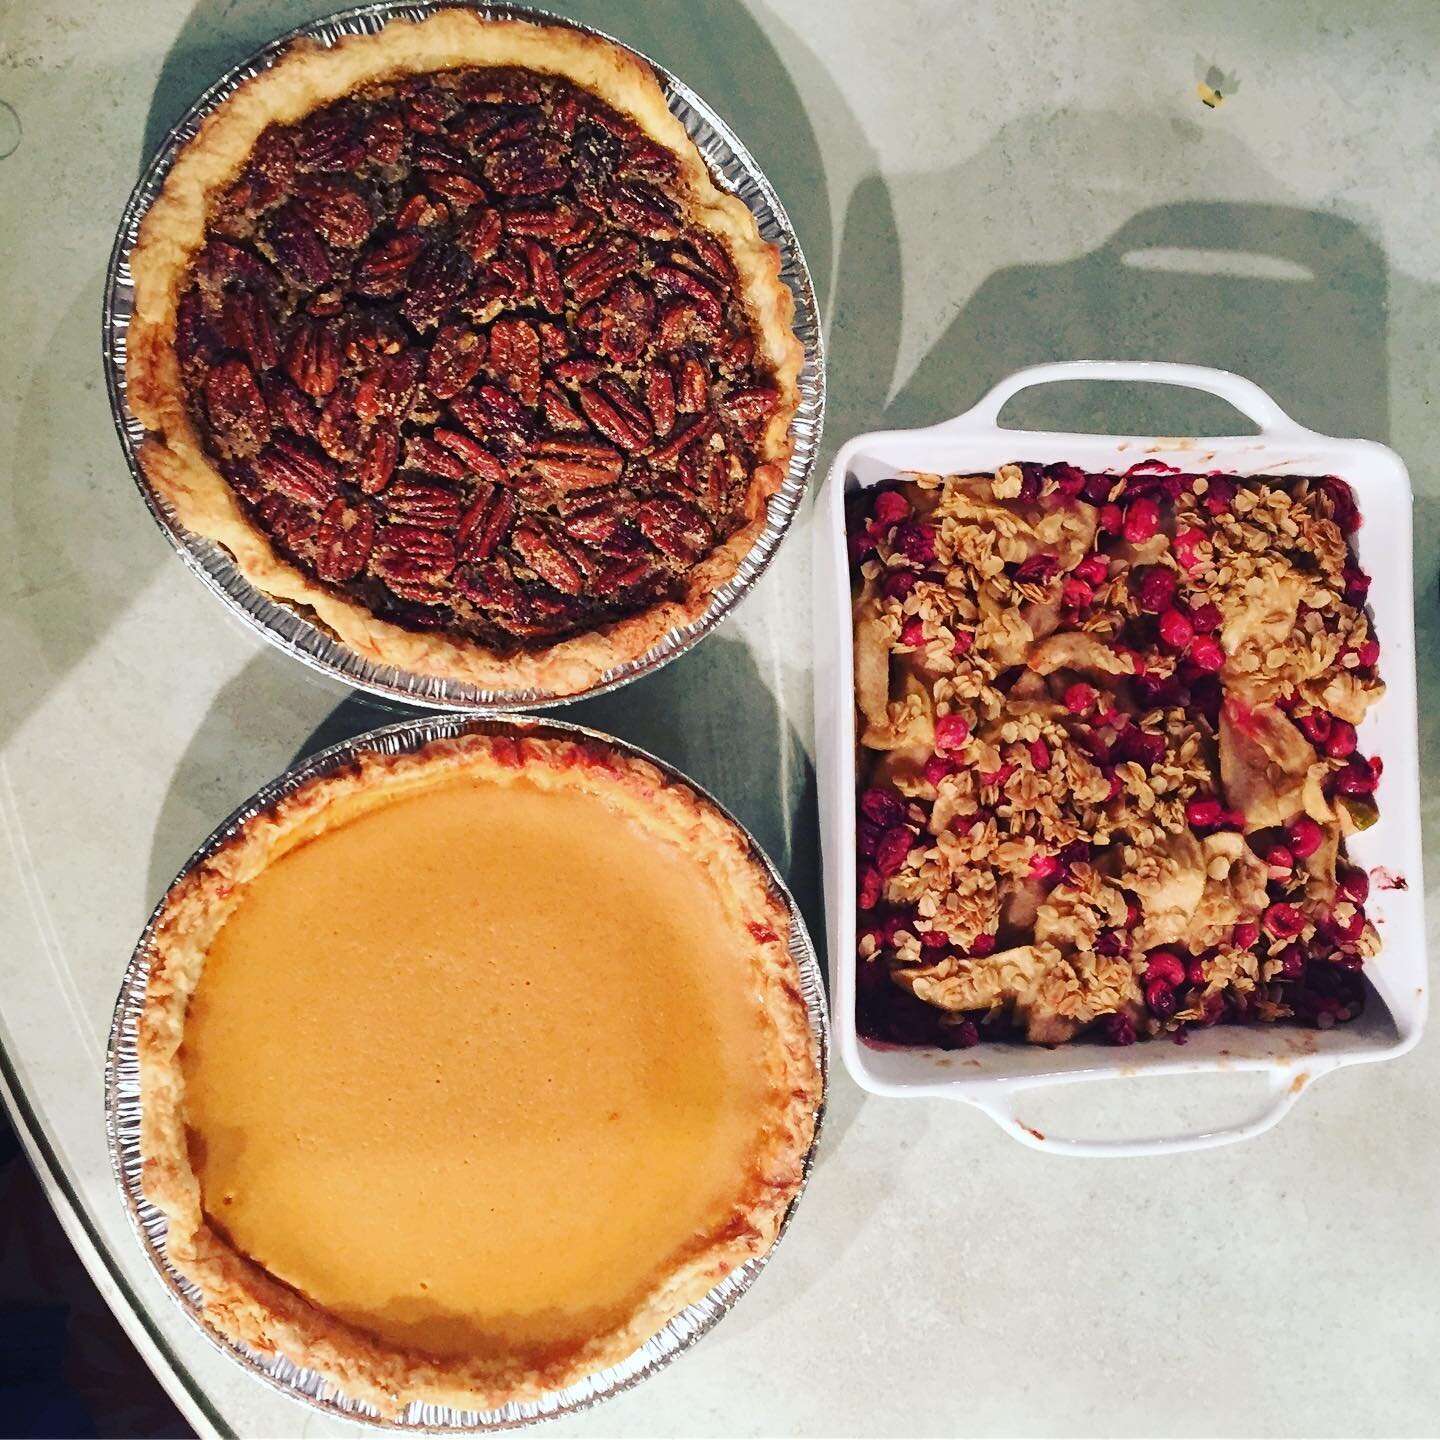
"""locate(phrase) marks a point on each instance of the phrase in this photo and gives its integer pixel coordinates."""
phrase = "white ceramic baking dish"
(998, 1078)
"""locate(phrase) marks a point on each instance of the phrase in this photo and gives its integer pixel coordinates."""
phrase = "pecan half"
(312, 357)
(236, 407)
(245, 324)
(384, 266)
(455, 360)
(576, 464)
(471, 455)
(377, 460)
(485, 524)
(539, 550)
(515, 358)
(627, 321)
(344, 540)
(614, 415)
(674, 527)
(298, 471)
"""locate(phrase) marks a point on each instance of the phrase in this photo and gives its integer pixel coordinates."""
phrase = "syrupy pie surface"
(462, 357)
(475, 1069)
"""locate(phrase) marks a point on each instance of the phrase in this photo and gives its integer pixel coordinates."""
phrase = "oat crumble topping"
(1108, 753)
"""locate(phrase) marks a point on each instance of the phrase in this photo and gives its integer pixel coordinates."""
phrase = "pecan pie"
(1108, 753)
(464, 1071)
(448, 336)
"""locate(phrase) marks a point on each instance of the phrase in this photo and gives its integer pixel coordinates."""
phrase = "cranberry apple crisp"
(1108, 753)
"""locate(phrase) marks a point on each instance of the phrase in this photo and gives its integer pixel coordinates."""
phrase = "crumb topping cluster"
(1108, 753)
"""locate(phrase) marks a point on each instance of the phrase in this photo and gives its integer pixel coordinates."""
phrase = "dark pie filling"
(462, 359)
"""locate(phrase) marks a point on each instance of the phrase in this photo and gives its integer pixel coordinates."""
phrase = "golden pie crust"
(242, 1300)
(308, 77)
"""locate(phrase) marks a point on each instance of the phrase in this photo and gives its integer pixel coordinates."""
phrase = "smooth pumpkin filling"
(475, 1070)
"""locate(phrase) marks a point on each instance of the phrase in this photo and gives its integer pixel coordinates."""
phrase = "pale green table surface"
(977, 187)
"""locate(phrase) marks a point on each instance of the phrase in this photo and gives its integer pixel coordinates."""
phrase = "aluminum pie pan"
(123, 1108)
(295, 632)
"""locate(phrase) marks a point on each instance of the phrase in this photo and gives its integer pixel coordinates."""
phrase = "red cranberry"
(1164, 967)
(1044, 867)
(884, 807)
(1110, 520)
(983, 945)
(1281, 862)
(1203, 812)
(867, 838)
(1161, 999)
(1110, 942)
(895, 845)
(1079, 698)
(1356, 583)
(871, 883)
(1157, 589)
(890, 508)
(1341, 740)
(1342, 504)
(964, 639)
(1283, 921)
(899, 583)
(1346, 932)
(1369, 654)
(1038, 569)
(1142, 520)
(937, 767)
(1232, 820)
(912, 633)
(1119, 1029)
(998, 777)
(861, 547)
(1245, 935)
(1075, 594)
(1030, 483)
(1292, 962)
(964, 1036)
(1355, 886)
(1175, 630)
(916, 542)
(1206, 617)
(1315, 726)
(1306, 837)
(1097, 488)
(951, 732)
(1185, 544)
(896, 921)
(1093, 569)
(1039, 754)
(933, 940)
(1069, 479)
(1144, 747)
(1205, 653)
(1195, 973)
(1219, 495)
(1357, 778)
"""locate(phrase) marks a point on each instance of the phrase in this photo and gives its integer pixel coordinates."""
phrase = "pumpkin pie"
(466, 1070)
(448, 336)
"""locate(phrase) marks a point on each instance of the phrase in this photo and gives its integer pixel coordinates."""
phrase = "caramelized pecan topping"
(462, 356)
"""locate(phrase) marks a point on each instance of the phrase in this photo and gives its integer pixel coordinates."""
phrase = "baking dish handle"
(1245, 395)
(1281, 1093)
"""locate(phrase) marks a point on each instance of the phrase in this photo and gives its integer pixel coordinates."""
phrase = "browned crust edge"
(305, 78)
(245, 1303)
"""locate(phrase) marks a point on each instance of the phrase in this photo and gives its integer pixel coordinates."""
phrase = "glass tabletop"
(976, 188)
